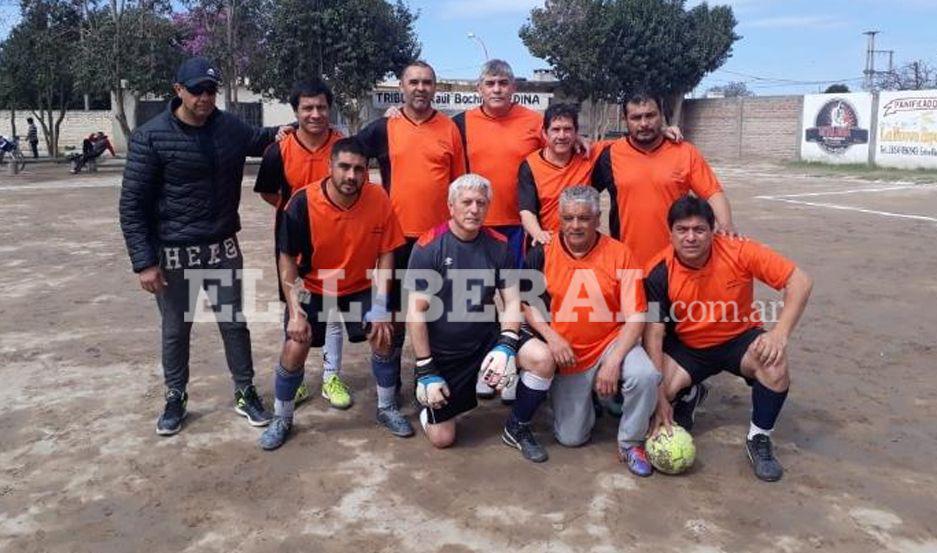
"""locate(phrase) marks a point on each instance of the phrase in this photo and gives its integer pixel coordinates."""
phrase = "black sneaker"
(519, 436)
(684, 411)
(761, 454)
(247, 404)
(170, 422)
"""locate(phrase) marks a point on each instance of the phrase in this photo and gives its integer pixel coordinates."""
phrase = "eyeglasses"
(200, 89)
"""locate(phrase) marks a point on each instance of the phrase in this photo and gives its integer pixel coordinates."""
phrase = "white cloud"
(475, 9)
(796, 22)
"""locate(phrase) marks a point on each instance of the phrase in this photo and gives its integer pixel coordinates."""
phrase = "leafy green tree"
(40, 64)
(350, 44)
(734, 89)
(127, 47)
(837, 89)
(602, 49)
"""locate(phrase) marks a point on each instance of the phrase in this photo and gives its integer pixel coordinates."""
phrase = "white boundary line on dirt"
(55, 186)
(788, 198)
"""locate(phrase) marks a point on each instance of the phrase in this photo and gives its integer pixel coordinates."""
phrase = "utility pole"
(869, 72)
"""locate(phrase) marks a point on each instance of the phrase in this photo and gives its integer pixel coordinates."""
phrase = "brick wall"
(75, 127)
(745, 128)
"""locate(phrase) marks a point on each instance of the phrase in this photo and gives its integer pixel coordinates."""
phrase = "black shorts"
(355, 324)
(401, 262)
(705, 362)
(460, 375)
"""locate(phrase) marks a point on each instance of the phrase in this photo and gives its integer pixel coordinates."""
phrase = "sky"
(787, 46)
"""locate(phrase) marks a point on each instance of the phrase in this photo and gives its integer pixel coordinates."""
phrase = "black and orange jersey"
(417, 162)
(327, 238)
(711, 305)
(589, 298)
(643, 186)
(540, 183)
(289, 165)
(459, 332)
(495, 148)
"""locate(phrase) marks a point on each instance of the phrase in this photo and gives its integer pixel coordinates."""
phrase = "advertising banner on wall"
(459, 101)
(836, 128)
(907, 129)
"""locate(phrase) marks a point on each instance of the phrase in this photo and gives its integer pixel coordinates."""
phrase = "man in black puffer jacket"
(179, 216)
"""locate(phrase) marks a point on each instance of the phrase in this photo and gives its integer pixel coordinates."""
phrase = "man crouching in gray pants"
(596, 312)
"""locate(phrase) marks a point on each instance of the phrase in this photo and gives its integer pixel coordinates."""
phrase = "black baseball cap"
(194, 71)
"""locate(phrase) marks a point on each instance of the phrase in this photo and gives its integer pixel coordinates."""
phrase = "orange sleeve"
(393, 236)
(633, 299)
(766, 265)
(702, 179)
(457, 169)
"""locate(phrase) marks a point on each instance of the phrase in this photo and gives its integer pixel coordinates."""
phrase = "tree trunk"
(13, 121)
(121, 113)
(677, 112)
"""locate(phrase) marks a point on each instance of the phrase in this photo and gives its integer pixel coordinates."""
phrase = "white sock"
(752, 430)
(283, 409)
(424, 418)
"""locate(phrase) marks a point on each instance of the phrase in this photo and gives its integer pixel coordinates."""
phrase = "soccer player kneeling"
(703, 287)
(454, 273)
(596, 305)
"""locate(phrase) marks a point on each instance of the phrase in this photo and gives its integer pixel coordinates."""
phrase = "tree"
(350, 44)
(227, 32)
(41, 68)
(838, 88)
(624, 45)
(915, 75)
(126, 47)
(734, 89)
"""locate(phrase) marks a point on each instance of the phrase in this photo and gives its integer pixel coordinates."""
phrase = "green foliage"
(351, 44)
(734, 89)
(602, 49)
(837, 89)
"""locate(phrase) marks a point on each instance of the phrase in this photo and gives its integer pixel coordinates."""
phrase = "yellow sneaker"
(302, 394)
(334, 390)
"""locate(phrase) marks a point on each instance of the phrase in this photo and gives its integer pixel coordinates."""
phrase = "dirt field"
(81, 468)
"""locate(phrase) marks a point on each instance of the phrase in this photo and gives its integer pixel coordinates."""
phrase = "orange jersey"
(417, 161)
(328, 238)
(495, 148)
(589, 298)
(288, 165)
(540, 183)
(714, 304)
(643, 185)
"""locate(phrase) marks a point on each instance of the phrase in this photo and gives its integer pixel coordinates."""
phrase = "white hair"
(496, 68)
(581, 194)
(469, 181)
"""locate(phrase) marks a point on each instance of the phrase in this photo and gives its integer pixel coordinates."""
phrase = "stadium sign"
(459, 100)
(907, 129)
(836, 128)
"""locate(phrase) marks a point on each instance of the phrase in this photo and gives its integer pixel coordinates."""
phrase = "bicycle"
(12, 147)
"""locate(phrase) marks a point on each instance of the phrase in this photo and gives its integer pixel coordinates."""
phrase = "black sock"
(526, 403)
(766, 405)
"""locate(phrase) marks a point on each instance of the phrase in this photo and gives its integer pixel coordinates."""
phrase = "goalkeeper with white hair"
(454, 273)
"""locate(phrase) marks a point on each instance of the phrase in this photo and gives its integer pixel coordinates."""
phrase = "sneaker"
(334, 390)
(636, 459)
(509, 394)
(482, 389)
(684, 411)
(519, 436)
(393, 420)
(275, 434)
(247, 404)
(302, 394)
(170, 422)
(761, 455)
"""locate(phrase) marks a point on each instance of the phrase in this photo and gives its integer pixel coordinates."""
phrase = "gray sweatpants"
(182, 268)
(571, 396)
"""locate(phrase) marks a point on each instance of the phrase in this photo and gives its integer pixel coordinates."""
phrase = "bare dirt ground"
(81, 468)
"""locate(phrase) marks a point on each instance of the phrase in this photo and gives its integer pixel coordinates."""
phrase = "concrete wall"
(745, 128)
(75, 127)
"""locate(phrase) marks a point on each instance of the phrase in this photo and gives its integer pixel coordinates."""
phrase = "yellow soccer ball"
(671, 454)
